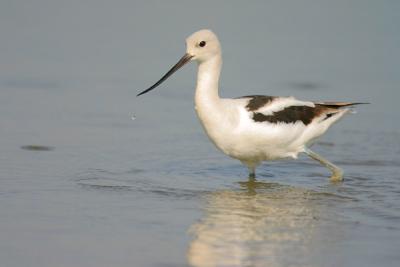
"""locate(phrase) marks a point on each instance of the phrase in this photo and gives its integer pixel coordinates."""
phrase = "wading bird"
(254, 128)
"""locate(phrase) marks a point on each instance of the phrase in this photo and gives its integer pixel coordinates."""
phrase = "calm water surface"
(83, 184)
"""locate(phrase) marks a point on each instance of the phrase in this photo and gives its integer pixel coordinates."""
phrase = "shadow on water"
(259, 224)
(133, 181)
(37, 148)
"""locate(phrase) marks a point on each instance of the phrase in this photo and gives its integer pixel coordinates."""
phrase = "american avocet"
(254, 128)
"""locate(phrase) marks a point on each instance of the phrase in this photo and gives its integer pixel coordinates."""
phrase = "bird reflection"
(260, 224)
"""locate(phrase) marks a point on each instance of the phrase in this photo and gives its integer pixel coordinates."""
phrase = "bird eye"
(202, 44)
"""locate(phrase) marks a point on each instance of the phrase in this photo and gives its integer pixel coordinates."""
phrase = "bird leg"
(251, 166)
(252, 172)
(337, 173)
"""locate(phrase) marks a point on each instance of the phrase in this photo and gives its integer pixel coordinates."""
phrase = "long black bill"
(185, 59)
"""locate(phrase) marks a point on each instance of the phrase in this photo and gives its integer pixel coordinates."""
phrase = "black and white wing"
(288, 110)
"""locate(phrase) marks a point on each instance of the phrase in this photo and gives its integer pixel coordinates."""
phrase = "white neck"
(208, 104)
(207, 97)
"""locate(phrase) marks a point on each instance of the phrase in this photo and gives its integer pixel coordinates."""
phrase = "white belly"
(240, 137)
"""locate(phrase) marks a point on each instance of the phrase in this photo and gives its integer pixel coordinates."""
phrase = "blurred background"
(91, 175)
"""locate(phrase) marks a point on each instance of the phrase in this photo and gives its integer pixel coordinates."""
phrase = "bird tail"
(337, 105)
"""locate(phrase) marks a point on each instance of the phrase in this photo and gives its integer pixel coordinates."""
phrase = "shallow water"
(82, 183)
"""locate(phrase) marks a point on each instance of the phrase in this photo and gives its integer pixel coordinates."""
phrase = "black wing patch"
(291, 114)
(258, 101)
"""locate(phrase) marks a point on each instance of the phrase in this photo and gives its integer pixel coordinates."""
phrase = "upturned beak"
(185, 59)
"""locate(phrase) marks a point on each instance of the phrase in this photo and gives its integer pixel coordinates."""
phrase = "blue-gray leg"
(252, 172)
(251, 166)
(337, 173)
